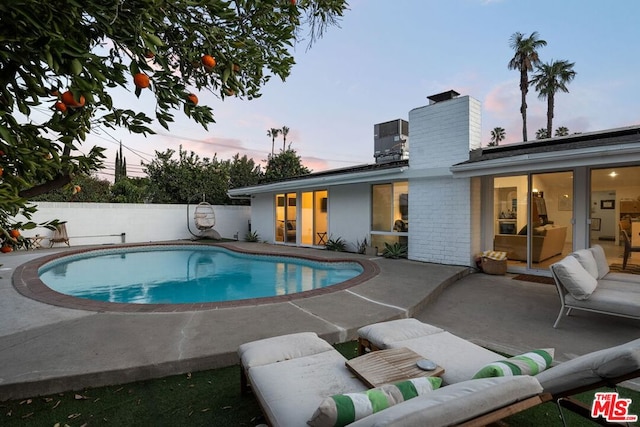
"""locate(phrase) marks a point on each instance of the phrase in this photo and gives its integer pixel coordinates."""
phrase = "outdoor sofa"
(584, 282)
(291, 375)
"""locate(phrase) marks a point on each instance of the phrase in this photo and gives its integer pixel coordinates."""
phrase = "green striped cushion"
(342, 409)
(530, 363)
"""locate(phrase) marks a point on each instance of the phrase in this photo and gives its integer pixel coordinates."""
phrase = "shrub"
(394, 251)
(252, 236)
(338, 245)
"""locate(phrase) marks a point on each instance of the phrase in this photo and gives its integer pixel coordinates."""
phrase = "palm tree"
(542, 133)
(285, 132)
(497, 135)
(525, 57)
(562, 131)
(548, 80)
(273, 133)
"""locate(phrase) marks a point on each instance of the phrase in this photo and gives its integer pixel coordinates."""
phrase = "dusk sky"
(388, 56)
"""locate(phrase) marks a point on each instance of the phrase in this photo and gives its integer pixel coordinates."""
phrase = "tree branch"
(57, 182)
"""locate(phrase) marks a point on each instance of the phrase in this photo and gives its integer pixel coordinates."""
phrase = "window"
(389, 213)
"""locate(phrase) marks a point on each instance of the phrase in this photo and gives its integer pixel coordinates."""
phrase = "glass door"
(286, 225)
(550, 231)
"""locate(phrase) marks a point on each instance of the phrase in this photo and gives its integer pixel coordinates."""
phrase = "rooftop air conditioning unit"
(391, 141)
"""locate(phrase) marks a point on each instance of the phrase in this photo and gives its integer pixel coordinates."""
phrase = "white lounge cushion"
(455, 403)
(591, 368)
(384, 333)
(609, 301)
(575, 279)
(460, 358)
(284, 347)
(623, 277)
(587, 261)
(601, 260)
(290, 391)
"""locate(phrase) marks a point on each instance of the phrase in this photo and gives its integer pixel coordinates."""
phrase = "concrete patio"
(46, 349)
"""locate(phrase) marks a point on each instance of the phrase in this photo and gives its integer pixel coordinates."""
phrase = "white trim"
(552, 160)
(323, 181)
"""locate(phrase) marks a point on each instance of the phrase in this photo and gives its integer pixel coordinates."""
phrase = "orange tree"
(59, 61)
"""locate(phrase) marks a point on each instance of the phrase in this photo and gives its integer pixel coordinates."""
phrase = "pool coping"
(27, 282)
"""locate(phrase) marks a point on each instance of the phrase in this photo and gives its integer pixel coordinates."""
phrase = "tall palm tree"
(273, 133)
(548, 80)
(525, 57)
(497, 135)
(285, 132)
(562, 131)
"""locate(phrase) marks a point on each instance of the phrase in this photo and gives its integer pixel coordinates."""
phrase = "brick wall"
(443, 212)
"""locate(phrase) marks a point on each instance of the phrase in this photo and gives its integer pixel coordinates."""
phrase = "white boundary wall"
(104, 223)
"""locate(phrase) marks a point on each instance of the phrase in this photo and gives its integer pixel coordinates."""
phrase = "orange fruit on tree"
(208, 61)
(6, 249)
(60, 106)
(193, 98)
(141, 80)
(1, 171)
(148, 54)
(68, 99)
(14, 233)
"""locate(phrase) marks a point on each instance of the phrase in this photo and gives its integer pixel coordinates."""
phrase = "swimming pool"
(188, 274)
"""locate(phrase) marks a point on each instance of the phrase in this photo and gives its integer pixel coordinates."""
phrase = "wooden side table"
(388, 366)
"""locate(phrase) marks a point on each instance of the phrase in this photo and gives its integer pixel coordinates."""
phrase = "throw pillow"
(530, 363)
(575, 279)
(342, 409)
(587, 261)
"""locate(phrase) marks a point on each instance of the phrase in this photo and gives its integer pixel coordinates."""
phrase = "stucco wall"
(103, 223)
(263, 216)
(350, 213)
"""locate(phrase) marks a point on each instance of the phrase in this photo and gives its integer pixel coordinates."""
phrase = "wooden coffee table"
(388, 366)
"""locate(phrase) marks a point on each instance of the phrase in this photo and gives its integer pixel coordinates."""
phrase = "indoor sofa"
(584, 282)
(548, 241)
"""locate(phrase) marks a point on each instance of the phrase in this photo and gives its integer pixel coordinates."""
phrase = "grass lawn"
(208, 398)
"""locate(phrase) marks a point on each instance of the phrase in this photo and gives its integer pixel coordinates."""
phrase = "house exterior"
(452, 199)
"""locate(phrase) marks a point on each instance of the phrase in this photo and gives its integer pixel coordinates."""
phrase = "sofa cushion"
(342, 409)
(601, 260)
(384, 333)
(575, 279)
(459, 358)
(290, 391)
(455, 404)
(587, 261)
(530, 363)
(284, 347)
(591, 368)
(609, 301)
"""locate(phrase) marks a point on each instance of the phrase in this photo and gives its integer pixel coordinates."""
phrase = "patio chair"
(59, 235)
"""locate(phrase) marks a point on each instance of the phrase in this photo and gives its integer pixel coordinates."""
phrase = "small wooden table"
(388, 366)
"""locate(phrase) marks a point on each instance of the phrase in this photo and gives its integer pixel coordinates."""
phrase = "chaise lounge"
(293, 375)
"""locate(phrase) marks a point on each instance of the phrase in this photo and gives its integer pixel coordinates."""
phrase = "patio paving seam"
(404, 310)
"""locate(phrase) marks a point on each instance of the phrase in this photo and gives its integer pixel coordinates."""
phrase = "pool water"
(187, 274)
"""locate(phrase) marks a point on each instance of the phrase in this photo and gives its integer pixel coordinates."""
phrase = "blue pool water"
(187, 274)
